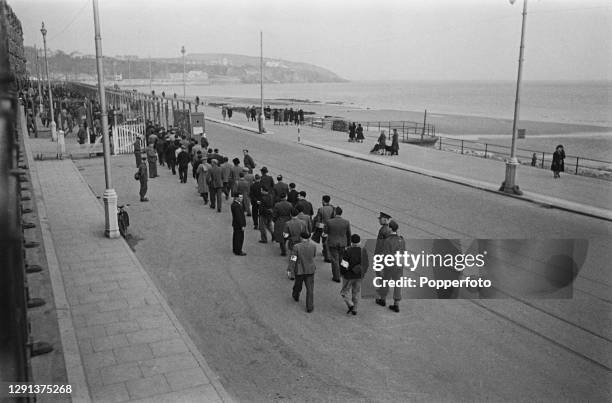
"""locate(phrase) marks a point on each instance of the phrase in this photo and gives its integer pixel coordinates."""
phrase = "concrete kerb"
(542, 200)
(212, 376)
(70, 348)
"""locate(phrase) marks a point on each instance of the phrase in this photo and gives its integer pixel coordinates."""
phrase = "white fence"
(124, 136)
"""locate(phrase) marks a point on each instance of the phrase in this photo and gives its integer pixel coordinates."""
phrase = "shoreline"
(445, 123)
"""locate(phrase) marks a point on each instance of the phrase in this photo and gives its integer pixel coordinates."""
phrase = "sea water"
(572, 102)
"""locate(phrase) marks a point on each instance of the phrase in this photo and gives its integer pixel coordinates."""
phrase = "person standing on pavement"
(160, 147)
(215, 181)
(338, 232)
(143, 178)
(226, 170)
(292, 234)
(281, 214)
(558, 165)
(391, 245)
(395, 143)
(171, 156)
(238, 224)
(359, 130)
(255, 196)
(248, 160)
(304, 270)
(266, 206)
(242, 187)
(352, 269)
(280, 188)
(137, 151)
(183, 164)
(267, 182)
(306, 205)
(152, 160)
(235, 172)
(202, 175)
(324, 213)
(292, 196)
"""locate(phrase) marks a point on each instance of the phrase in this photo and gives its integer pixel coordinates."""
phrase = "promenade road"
(264, 346)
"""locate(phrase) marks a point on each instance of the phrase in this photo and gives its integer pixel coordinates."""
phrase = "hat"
(384, 215)
(355, 238)
(393, 225)
(264, 170)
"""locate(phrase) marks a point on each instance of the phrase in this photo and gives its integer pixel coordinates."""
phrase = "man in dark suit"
(306, 205)
(238, 224)
(248, 160)
(281, 214)
(280, 188)
(304, 269)
(292, 196)
(266, 181)
(338, 232)
(325, 212)
(215, 181)
(255, 195)
(265, 216)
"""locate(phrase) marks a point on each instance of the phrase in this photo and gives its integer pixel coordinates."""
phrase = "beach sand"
(446, 124)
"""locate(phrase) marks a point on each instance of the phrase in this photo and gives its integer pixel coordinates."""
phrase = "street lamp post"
(40, 97)
(111, 227)
(509, 185)
(183, 52)
(262, 116)
(43, 30)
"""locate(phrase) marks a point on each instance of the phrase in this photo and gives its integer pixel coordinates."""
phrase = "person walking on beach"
(395, 143)
(352, 269)
(143, 178)
(558, 164)
(304, 270)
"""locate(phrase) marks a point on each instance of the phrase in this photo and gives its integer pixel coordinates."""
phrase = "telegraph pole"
(111, 227)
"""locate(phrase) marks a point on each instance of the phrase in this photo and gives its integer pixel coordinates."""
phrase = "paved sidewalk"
(120, 338)
(579, 194)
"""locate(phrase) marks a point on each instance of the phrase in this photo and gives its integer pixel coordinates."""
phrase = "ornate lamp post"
(43, 31)
(509, 185)
(183, 52)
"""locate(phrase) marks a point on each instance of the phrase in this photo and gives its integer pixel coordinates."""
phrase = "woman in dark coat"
(395, 143)
(557, 161)
(360, 137)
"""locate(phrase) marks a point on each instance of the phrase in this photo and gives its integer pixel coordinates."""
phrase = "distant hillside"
(205, 67)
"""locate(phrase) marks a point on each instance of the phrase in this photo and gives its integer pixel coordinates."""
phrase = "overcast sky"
(357, 39)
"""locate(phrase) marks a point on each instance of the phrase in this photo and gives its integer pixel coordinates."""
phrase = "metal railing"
(407, 129)
(574, 164)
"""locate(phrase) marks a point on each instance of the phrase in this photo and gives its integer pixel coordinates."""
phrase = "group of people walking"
(280, 213)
